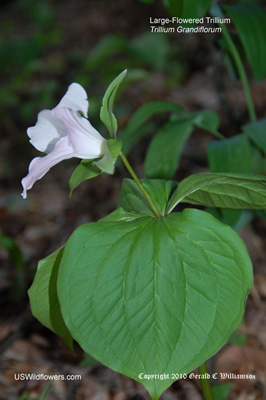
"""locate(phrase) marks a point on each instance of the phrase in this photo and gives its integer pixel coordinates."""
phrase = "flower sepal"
(89, 169)
(106, 114)
(107, 162)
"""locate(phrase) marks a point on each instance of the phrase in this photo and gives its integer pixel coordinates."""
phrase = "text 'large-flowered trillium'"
(63, 132)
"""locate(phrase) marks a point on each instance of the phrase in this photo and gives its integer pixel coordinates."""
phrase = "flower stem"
(217, 12)
(205, 382)
(141, 187)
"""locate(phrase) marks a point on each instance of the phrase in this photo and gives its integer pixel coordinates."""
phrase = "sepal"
(89, 169)
(106, 113)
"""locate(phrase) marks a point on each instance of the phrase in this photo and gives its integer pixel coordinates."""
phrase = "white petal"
(41, 165)
(86, 141)
(47, 131)
(75, 99)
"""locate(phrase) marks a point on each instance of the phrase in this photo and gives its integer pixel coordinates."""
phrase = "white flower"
(63, 133)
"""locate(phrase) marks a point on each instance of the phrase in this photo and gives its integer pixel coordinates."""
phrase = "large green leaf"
(122, 215)
(207, 120)
(258, 161)
(43, 296)
(236, 191)
(154, 296)
(133, 131)
(250, 22)
(230, 155)
(106, 113)
(256, 131)
(132, 200)
(162, 158)
(187, 8)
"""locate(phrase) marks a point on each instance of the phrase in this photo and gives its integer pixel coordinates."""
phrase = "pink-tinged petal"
(41, 165)
(47, 131)
(86, 140)
(75, 99)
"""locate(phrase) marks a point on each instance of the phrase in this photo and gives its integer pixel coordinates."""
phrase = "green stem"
(216, 11)
(141, 187)
(205, 382)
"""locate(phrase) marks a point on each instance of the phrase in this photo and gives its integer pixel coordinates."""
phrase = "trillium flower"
(63, 132)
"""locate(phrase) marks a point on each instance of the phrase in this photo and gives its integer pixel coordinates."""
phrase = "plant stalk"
(205, 382)
(141, 187)
(216, 11)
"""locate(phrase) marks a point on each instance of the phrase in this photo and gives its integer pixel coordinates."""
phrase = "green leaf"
(122, 215)
(154, 295)
(174, 7)
(14, 252)
(250, 22)
(261, 214)
(89, 169)
(163, 162)
(231, 217)
(106, 113)
(187, 8)
(84, 171)
(230, 155)
(43, 296)
(104, 49)
(159, 49)
(258, 161)
(238, 339)
(17, 289)
(163, 155)
(256, 131)
(132, 200)
(133, 133)
(221, 392)
(207, 120)
(234, 191)
(245, 218)
(88, 360)
(45, 391)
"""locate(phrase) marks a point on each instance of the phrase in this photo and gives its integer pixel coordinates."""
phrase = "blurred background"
(44, 46)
